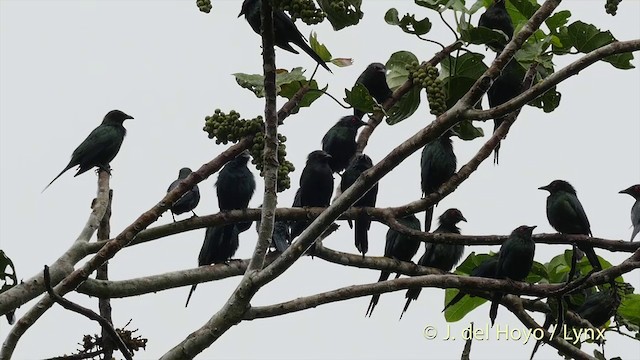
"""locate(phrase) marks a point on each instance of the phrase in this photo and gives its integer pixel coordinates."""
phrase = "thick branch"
(104, 303)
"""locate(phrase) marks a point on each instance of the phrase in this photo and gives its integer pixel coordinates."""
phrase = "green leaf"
(459, 74)
(255, 82)
(538, 272)
(360, 98)
(408, 23)
(558, 20)
(466, 131)
(341, 17)
(397, 75)
(290, 89)
(586, 38)
(319, 48)
(630, 308)
(482, 35)
(458, 311)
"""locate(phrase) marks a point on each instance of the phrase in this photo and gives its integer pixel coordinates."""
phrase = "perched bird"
(285, 31)
(634, 191)
(566, 215)
(437, 165)
(514, 262)
(486, 269)
(496, 17)
(374, 79)
(599, 307)
(189, 200)
(399, 247)
(100, 147)
(235, 186)
(217, 248)
(340, 142)
(281, 237)
(439, 256)
(316, 187)
(504, 88)
(360, 164)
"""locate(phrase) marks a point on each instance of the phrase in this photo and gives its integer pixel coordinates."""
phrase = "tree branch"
(104, 304)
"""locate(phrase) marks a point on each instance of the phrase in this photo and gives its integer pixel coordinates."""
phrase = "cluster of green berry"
(230, 127)
(612, 6)
(427, 77)
(204, 5)
(305, 10)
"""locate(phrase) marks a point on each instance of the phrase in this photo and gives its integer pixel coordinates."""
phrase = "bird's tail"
(428, 217)
(636, 230)
(493, 312)
(384, 275)
(412, 294)
(306, 48)
(281, 237)
(455, 300)
(56, 178)
(548, 320)
(592, 257)
(193, 288)
(496, 151)
(361, 235)
(11, 317)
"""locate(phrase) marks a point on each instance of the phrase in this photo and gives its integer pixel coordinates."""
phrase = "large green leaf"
(630, 308)
(586, 38)
(458, 311)
(397, 75)
(319, 48)
(255, 82)
(359, 98)
(408, 23)
(290, 89)
(342, 16)
(466, 131)
(557, 20)
(459, 74)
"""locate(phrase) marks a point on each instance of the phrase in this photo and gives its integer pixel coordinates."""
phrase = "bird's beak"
(328, 156)
(363, 123)
(241, 13)
(462, 218)
(546, 187)
(625, 191)
(129, 117)
(533, 227)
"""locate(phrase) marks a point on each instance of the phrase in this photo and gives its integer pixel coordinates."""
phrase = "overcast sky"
(64, 64)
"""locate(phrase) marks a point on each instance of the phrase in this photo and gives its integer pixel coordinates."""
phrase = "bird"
(284, 30)
(100, 147)
(340, 141)
(634, 191)
(514, 262)
(189, 200)
(281, 237)
(234, 187)
(316, 187)
(566, 215)
(496, 17)
(598, 307)
(504, 88)
(374, 79)
(487, 269)
(437, 164)
(399, 247)
(360, 164)
(439, 256)
(218, 247)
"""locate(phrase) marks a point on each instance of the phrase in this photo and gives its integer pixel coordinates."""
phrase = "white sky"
(64, 64)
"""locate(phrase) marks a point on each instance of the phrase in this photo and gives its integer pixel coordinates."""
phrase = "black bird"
(219, 246)
(566, 215)
(496, 17)
(340, 141)
(505, 87)
(374, 79)
(235, 187)
(599, 307)
(399, 247)
(100, 147)
(281, 237)
(316, 187)
(437, 165)
(360, 164)
(634, 191)
(439, 256)
(514, 262)
(285, 31)
(486, 269)
(189, 200)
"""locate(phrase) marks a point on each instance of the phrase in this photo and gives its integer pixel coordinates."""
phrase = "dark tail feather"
(375, 297)
(428, 217)
(496, 155)
(412, 294)
(281, 236)
(11, 317)
(56, 178)
(548, 320)
(592, 257)
(362, 236)
(455, 300)
(306, 48)
(493, 312)
(193, 288)
(574, 261)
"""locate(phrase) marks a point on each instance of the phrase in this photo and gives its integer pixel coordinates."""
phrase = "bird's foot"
(105, 168)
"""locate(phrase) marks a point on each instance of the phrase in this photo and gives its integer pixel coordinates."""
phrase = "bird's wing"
(577, 208)
(391, 239)
(102, 140)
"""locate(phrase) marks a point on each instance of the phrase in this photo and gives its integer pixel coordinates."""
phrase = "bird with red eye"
(634, 191)
(340, 142)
